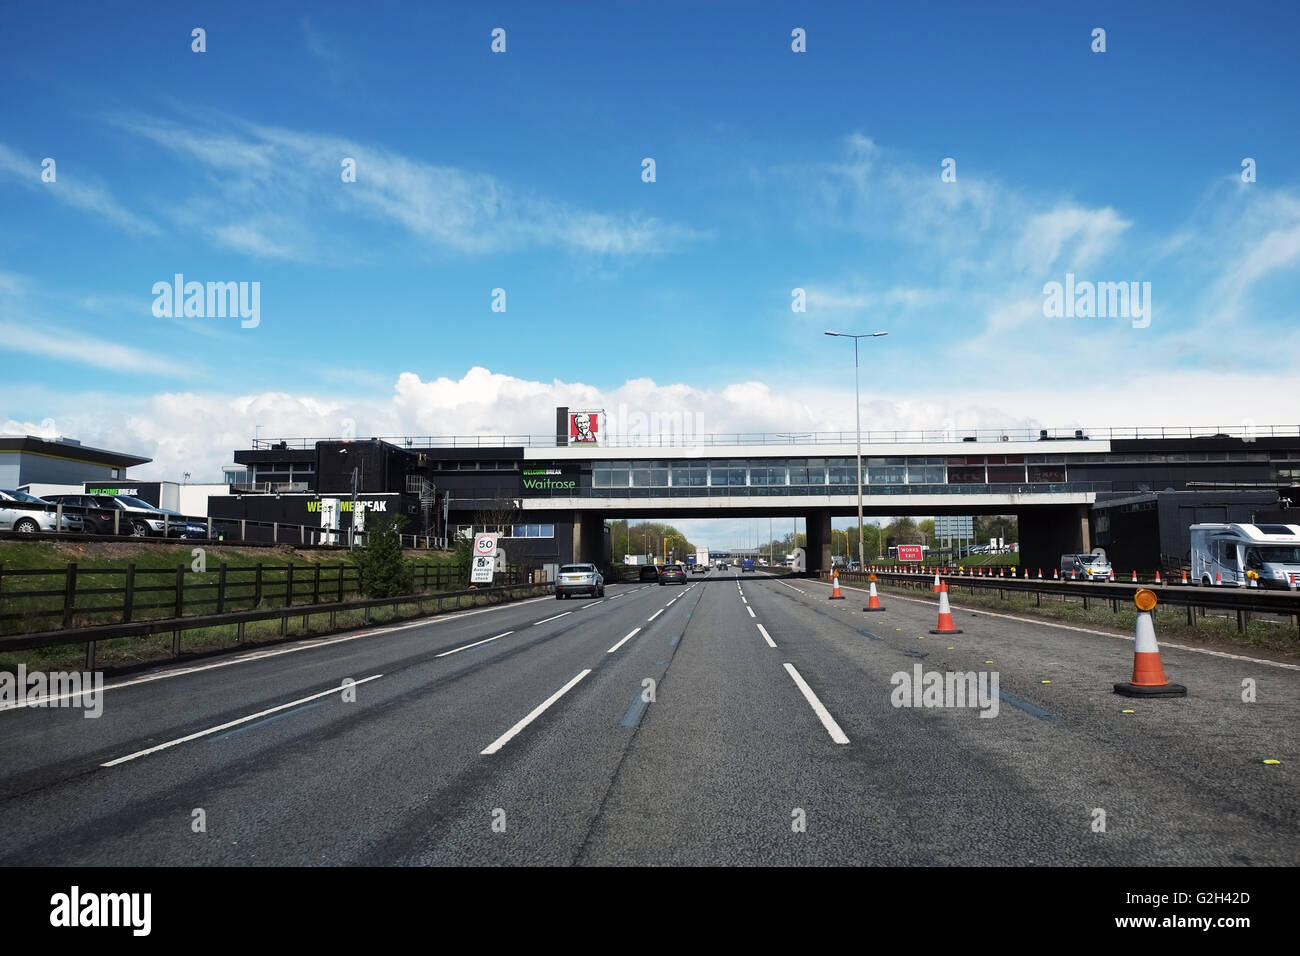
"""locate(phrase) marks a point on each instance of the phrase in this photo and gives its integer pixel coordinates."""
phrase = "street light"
(857, 415)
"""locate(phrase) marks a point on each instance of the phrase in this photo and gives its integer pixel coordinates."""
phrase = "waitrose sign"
(547, 479)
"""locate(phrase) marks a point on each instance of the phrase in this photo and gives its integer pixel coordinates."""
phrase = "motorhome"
(1241, 555)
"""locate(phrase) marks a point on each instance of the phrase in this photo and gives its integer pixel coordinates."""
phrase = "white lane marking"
(617, 596)
(241, 720)
(276, 652)
(1088, 630)
(634, 633)
(592, 604)
(549, 619)
(475, 644)
(750, 610)
(766, 636)
(791, 587)
(654, 615)
(742, 598)
(536, 712)
(822, 713)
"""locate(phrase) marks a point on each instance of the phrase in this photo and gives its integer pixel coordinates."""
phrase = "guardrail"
(932, 435)
(90, 636)
(1242, 601)
(184, 592)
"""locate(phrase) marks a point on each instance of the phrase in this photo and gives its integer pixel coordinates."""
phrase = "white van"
(1232, 551)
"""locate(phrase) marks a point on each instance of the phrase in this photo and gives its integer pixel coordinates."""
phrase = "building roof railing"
(1247, 433)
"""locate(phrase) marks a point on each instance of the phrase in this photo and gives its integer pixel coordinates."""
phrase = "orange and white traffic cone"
(936, 582)
(873, 603)
(945, 615)
(1026, 572)
(1073, 576)
(835, 588)
(1148, 674)
(1112, 575)
(1040, 574)
(1185, 577)
(1218, 579)
(1135, 575)
(1158, 581)
(1056, 574)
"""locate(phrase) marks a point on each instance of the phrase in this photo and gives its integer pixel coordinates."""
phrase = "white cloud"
(70, 346)
(72, 190)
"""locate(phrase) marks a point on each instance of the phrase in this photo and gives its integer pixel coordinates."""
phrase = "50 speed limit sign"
(485, 549)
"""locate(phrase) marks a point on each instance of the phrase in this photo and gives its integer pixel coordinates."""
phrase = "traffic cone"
(1218, 579)
(1148, 675)
(835, 589)
(1184, 577)
(1040, 574)
(1112, 575)
(1073, 576)
(945, 615)
(1056, 574)
(936, 582)
(1026, 572)
(1158, 581)
(873, 603)
(1135, 575)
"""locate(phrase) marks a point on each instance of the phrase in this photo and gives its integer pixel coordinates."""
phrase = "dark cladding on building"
(551, 497)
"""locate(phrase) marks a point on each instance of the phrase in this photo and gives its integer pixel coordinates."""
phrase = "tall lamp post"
(857, 415)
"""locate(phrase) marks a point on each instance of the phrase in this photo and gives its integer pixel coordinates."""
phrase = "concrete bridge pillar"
(819, 540)
(1046, 533)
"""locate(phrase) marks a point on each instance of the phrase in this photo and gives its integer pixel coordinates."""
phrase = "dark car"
(98, 517)
(649, 572)
(671, 574)
(179, 526)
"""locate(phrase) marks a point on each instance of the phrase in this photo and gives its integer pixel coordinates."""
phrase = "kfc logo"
(584, 428)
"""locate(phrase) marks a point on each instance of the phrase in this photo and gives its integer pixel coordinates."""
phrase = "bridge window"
(841, 471)
(722, 475)
(924, 474)
(766, 472)
(1006, 473)
(1047, 473)
(612, 474)
(965, 474)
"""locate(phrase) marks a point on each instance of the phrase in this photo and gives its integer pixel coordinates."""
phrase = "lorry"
(702, 557)
(1242, 555)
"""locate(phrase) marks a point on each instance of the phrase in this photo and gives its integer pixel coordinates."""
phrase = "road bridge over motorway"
(1134, 488)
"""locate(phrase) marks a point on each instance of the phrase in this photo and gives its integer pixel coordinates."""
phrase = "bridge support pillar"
(588, 539)
(818, 552)
(1046, 533)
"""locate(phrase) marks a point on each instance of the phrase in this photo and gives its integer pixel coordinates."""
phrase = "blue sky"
(775, 170)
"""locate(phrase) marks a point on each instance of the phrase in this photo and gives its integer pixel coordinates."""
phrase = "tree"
(383, 570)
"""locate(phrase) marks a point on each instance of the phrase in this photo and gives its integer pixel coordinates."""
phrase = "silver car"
(33, 514)
(579, 579)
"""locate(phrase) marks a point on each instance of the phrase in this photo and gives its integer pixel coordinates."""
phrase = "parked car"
(579, 579)
(97, 517)
(671, 574)
(34, 514)
(179, 526)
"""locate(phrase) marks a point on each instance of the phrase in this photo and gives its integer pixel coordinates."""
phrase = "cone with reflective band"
(835, 590)
(936, 582)
(1056, 574)
(1135, 575)
(1148, 675)
(1112, 575)
(1040, 574)
(1218, 578)
(1158, 581)
(1072, 575)
(945, 615)
(873, 603)
(1184, 577)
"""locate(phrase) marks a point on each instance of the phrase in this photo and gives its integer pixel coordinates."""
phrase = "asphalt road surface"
(741, 719)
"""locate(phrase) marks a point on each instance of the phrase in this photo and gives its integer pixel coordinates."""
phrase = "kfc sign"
(585, 428)
(910, 552)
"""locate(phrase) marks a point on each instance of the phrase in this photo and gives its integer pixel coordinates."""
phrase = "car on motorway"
(29, 514)
(649, 572)
(579, 579)
(671, 574)
(1086, 567)
(748, 565)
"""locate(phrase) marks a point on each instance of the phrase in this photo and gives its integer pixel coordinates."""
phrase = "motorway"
(523, 735)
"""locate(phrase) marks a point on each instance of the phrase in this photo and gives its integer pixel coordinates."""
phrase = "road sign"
(485, 549)
(954, 526)
(910, 552)
(481, 572)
